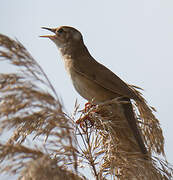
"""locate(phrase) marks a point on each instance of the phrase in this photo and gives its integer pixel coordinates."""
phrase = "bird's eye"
(60, 30)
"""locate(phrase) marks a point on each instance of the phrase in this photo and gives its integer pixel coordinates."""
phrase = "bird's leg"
(83, 121)
(88, 105)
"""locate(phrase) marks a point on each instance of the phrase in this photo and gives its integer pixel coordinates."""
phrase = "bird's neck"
(75, 50)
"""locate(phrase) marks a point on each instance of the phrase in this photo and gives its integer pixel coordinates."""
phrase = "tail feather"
(129, 114)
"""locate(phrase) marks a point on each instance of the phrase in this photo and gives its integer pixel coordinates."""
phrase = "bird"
(91, 79)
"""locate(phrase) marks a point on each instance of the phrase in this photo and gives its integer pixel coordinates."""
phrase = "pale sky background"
(134, 38)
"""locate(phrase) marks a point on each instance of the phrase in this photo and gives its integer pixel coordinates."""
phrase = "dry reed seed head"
(27, 104)
(46, 168)
(30, 106)
(151, 127)
(121, 155)
(13, 157)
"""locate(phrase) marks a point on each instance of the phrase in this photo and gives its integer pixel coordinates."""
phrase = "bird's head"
(64, 36)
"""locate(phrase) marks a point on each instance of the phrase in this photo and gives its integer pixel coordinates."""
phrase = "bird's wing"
(104, 77)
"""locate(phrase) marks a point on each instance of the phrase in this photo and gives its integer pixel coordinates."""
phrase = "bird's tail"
(129, 114)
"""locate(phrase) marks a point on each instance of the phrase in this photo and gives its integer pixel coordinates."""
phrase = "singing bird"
(92, 80)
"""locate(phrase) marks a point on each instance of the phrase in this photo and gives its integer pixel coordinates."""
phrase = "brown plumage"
(92, 80)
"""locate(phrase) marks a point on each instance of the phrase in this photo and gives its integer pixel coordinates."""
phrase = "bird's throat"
(74, 51)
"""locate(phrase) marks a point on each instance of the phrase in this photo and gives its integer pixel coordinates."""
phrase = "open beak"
(49, 29)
